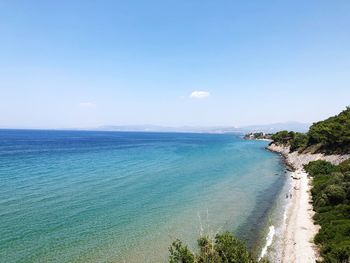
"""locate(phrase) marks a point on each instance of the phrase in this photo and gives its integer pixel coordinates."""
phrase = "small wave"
(269, 239)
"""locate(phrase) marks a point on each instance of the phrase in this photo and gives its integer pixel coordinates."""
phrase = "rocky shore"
(298, 160)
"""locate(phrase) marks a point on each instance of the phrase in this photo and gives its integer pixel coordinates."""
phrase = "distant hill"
(266, 128)
(272, 128)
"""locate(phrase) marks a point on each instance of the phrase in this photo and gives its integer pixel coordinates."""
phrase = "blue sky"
(79, 64)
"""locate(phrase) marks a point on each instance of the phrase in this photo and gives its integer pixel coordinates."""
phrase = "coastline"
(300, 230)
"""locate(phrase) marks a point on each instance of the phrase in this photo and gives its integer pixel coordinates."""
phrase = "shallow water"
(78, 196)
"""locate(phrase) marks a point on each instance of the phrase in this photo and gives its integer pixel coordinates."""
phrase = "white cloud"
(87, 104)
(199, 94)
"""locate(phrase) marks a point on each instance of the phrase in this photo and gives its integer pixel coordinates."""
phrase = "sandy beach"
(300, 229)
(298, 246)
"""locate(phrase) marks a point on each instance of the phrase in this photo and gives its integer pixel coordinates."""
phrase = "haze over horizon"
(181, 63)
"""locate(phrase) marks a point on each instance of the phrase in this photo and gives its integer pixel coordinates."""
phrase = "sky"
(85, 64)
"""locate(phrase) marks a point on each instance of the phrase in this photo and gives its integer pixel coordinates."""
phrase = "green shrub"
(231, 249)
(336, 178)
(320, 167)
(225, 248)
(180, 253)
(298, 142)
(347, 176)
(330, 195)
(335, 194)
(345, 166)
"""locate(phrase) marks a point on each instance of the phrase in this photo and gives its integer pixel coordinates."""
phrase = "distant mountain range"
(275, 127)
(266, 128)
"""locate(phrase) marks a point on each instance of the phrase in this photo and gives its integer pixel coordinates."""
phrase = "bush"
(180, 253)
(231, 249)
(298, 142)
(320, 167)
(335, 194)
(225, 248)
(347, 176)
(330, 195)
(345, 166)
(336, 178)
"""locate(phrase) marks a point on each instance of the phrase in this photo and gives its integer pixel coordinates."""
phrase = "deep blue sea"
(86, 196)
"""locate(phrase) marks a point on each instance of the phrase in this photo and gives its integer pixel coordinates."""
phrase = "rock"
(298, 160)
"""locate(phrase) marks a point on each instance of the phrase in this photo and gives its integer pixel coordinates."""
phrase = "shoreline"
(276, 224)
(299, 229)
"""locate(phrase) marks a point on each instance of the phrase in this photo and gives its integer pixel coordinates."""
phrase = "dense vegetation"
(223, 249)
(330, 136)
(331, 201)
(296, 140)
(333, 133)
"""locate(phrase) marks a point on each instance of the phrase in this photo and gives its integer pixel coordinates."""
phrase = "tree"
(224, 248)
(180, 253)
(298, 142)
(333, 133)
(320, 167)
(335, 194)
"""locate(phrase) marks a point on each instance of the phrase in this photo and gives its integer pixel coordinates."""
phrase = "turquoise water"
(74, 196)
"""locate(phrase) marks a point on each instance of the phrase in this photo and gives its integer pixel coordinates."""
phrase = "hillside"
(330, 136)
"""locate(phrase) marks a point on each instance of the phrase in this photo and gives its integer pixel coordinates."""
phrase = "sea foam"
(269, 240)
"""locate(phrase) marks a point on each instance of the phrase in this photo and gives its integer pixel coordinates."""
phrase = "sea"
(94, 196)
